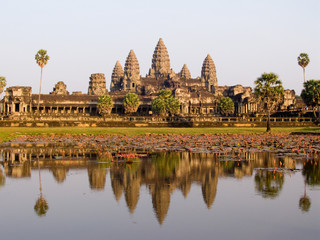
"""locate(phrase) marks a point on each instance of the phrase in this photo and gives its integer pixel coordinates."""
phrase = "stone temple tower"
(131, 72)
(160, 62)
(117, 77)
(208, 74)
(97, 84)
(185, 73)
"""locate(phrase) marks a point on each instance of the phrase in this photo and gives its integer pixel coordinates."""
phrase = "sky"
(245, 38)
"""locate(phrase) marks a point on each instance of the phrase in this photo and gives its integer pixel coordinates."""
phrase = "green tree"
(105, 105)
(3, 84)
(165, 103)
(159, 106)
(303, 61)
(173, 105)
(131, 103)
(269, 91)
(165, 93)
(311, 95)
(226, 105)
(41, 59)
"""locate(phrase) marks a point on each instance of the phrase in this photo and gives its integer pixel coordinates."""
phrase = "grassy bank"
(12, 132)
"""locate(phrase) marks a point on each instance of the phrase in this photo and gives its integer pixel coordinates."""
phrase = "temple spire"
(208, 74)
(131, 68)
(116, 77)
(185, 73)
(160, 61)
(131, 72)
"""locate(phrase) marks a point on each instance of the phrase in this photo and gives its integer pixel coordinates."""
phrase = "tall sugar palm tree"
(303, 61)
(3, 84)
(42, 59)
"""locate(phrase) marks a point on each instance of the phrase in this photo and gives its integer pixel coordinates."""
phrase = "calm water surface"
(73, 194)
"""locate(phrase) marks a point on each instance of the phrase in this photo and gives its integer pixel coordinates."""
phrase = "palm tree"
(269, 91)
(303, 61)
(3, 84)
(42, 59)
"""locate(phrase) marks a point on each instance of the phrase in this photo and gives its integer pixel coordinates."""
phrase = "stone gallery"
(198, 96)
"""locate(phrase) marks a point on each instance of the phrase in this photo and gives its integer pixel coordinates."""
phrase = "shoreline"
(282, 143)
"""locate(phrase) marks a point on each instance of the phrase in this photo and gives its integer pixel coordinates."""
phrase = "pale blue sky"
(244, 37)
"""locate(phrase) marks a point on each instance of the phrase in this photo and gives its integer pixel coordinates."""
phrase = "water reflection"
(162, 173)
(41, 207)
(268, 183)
(304, 202)
(2, 178)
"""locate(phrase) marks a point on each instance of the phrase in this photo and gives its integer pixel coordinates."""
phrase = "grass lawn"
(7, 133)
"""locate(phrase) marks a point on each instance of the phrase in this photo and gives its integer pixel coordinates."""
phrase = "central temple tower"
(160, 62)
(209, 75)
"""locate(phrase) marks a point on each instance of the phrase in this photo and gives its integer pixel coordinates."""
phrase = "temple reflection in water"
(162, 173)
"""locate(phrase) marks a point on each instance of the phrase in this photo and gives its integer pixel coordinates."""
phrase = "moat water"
(73, 194)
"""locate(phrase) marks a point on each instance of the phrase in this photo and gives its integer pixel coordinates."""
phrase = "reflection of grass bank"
(7, 133)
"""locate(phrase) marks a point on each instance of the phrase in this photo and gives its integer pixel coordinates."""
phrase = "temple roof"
(49, 98)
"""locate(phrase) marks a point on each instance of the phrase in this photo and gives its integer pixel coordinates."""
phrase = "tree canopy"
(131, 103)
(269, 92)
(105, 104)
(226, 105)
(303, 61)
(311, 93)
(42, 58)
(165, 103)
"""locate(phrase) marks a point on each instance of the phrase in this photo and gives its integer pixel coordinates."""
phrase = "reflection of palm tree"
(41, 207)
(2, 178)
(305, 203)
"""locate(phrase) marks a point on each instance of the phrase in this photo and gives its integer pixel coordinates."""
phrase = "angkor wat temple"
(198, 96)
